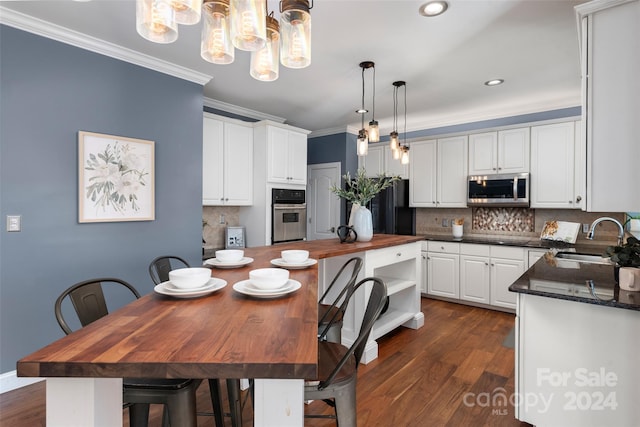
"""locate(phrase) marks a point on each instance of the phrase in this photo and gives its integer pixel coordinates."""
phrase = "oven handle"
(290, 207)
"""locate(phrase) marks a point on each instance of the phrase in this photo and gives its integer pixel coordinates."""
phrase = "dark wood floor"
(426, 377)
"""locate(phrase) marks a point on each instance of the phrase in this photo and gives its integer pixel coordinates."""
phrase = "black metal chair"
(177, 395)
(334, 313)
(160, 267)
(338, 365)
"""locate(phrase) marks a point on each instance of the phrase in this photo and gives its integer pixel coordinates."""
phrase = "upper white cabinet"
(610, 51)
(380, 160)
(438, 173)
(505, 151)
(552, 166)
(286, 154)
(227, 162)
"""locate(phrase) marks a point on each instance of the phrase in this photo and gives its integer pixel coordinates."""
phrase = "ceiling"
(532, 45)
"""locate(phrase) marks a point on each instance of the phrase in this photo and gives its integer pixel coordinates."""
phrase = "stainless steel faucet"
(592, 229)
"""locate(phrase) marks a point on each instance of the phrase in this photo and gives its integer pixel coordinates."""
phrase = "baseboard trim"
(10, 381)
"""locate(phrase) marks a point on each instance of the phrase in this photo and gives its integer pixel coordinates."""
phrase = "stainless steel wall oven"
(288, 215)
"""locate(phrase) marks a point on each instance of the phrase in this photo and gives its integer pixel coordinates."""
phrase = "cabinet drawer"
(445, 247)
(508, 252)
(473, 249)
(391, 255)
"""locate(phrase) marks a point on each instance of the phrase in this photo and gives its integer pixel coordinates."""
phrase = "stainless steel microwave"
(507, 189)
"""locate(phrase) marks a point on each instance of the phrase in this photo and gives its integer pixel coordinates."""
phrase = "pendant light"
(363, 137)
(187, 11)
(156, 21)
(248, 24)
(295, 30)
(265, 65)
(215, 45)
(374, 131)
(405, 147)
(394, 141)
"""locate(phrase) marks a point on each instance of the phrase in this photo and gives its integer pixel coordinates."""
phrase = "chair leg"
(235, 403)
(139, 415)
(216, 402)
(182, 408)
(346, 411)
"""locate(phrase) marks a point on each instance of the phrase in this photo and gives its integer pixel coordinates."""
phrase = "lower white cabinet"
(507, 264)
(475, 273)
(533, 255)
(443, 269)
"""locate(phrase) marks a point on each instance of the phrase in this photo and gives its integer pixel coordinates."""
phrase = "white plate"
(245, 287)
(253, 288)
(234, 264)
(213, 285)
(170, 287)
(279, 262)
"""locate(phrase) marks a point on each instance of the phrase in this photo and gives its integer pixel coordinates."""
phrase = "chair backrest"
(88, 300)
(377, 300)
(353, 266)
(161, 266)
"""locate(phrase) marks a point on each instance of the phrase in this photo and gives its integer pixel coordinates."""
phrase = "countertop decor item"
(560, 230)
(627, 259)
(456, 227)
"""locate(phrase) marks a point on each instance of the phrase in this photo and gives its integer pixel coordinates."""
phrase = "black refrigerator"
(391, 212)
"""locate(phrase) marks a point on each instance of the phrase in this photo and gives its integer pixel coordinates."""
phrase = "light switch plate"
(14, 223)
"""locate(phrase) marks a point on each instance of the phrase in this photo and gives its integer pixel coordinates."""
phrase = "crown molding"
(330, 131)
(241, 111)
(55, 32)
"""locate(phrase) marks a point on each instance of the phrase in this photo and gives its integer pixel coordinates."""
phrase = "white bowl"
(294, 256)
(189, 278)
(229, 255)
(269, 278)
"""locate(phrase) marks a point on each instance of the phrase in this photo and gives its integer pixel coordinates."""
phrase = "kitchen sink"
(589, 258)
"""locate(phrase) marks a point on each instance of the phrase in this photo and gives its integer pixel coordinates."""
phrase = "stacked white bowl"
(229, 255)
(269, 278)
(189, 278)
(294, 256)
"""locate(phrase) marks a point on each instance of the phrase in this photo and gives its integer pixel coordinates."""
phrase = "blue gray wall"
(50, 91)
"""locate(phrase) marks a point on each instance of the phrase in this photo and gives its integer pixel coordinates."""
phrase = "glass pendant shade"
(405, 156)
(156, 21)
(295, 29)
(264, 62)
(363, 143)
(216, 46)
(248, 24)
(187, 11)
(393, 140)
(397, 153)
(374, 131)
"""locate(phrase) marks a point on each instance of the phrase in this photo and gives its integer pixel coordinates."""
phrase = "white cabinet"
(610, 42)
(227, 162)
(552, 166)
(533, 255)
(380, 160)
(507, 264)
(505, 151)
(443, 269)
(475, 273)
(438, 170)
(286, 155)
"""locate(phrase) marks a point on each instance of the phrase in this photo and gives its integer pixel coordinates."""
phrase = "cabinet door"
(212, 162)
(483, 153)
(443, 275)
(513, 150)
(552, 163)
(373, 162)
(424, 276)
(277, 155)
(394, 166)
(238, 165)
(503, 273)
(474, 279)
(580, 174)
(452, 172)
(297, 163)
(422, 174)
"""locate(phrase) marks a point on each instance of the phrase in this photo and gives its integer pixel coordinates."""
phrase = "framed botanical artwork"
(116, 178)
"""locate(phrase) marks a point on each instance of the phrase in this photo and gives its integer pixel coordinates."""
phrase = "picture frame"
(116, 178)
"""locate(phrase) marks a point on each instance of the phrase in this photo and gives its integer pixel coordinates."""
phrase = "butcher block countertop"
(221, 335)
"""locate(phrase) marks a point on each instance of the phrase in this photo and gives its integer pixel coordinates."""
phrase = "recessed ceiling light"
(433, 8)
(494, 82)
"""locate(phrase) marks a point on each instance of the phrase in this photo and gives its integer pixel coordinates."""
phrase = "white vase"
(363, 224)
(457, 231)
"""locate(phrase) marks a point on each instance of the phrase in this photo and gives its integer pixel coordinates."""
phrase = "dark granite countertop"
(578, 281)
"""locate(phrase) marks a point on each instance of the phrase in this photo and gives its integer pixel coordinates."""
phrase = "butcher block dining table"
(225, 334)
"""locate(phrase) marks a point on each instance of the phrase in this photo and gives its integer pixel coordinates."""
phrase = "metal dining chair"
(160, 267)
(333, 313)
(338, 365)
(177, 395)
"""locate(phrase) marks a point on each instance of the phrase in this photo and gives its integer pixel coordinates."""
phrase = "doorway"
(323, 207)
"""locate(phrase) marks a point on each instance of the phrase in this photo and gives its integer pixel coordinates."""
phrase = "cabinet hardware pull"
(399, 254)
(579, 198)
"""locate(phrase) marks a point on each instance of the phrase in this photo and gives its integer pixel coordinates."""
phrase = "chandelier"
(400, 150)
(235, 24)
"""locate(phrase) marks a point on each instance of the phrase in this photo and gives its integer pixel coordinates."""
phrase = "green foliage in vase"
(361, 189)
(627, 255)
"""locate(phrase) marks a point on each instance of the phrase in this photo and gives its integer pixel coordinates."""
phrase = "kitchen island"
(221, 335)
(576, 345)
